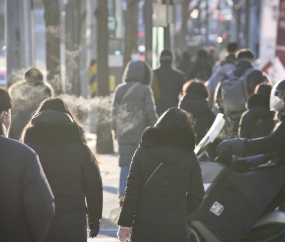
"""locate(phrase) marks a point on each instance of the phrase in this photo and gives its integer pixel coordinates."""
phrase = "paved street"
(110, 175)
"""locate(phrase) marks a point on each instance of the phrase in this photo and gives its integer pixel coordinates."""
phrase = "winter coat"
(275, 142)
(72, 172)
(200, 70)
(258, 121)
(202, 114)
(170, 82)
(158, 210)
(27, 203)
(26, 97)
(255, 78)
(137, 111)
(216, 78)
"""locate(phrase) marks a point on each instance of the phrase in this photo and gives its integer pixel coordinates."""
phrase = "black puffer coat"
(159, 211)
(202, 114)
(258, 121)
(26, 200)
(73, 174)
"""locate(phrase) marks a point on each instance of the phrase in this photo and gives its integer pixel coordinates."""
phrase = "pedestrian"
(186, 63)
(133, 109)
(201, 68)
(170, 82)
(71, 169)
(258, 121)
(164, 184)
(220, 70)
(271, 146)
(27, 95)
(235, 88)
(195, 101)
(27, 203)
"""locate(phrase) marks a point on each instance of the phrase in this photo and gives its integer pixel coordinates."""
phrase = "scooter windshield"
(212, 134)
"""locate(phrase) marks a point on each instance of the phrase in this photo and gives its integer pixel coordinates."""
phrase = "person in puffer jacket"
(258, 121)
(195, 101)
(133, 109)
(165, 182)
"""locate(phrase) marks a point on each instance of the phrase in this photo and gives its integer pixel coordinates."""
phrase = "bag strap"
(128, 92)
(151, 175)
(247, 72)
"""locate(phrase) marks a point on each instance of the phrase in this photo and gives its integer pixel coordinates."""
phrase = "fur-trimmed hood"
(53, 128)
(166, 144)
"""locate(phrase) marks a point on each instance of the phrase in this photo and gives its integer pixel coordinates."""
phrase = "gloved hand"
(231, 147)
(94, 228)
(123, 234)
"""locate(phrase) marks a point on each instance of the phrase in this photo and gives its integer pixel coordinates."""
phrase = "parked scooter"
(234, 202)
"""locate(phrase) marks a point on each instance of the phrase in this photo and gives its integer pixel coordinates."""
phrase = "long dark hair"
(177, 119)
(55, 104)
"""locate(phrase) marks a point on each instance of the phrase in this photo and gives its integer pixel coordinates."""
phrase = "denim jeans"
(123, 179)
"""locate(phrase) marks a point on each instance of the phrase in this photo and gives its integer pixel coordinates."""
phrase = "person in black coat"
(27, 95)
(258, 121)
(27, 203)
(195, 101)
(201, 69)
(164, 183)
(170, 83)
(71, 169)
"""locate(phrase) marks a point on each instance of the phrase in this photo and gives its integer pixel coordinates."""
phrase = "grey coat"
(137, 111)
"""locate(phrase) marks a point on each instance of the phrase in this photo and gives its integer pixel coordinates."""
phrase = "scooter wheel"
(193, 235)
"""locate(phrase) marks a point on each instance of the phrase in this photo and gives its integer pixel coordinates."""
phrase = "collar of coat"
(154, 137)
(54, 128)
(2, 130)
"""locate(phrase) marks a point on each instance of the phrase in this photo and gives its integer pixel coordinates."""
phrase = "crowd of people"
(158, 117)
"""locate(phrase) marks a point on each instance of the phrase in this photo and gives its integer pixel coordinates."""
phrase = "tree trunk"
(13, 42)
(131, 36)
(104, 136)
(52, 19)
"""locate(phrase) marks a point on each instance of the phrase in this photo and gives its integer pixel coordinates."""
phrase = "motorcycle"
(234, 202)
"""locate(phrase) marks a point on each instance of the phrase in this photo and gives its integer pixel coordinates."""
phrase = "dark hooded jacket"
(26, 95)
(258, 121)
(27, 203)
(170, 82)
(202, 114)
(72, 172)
(137, 111)
(157, 211)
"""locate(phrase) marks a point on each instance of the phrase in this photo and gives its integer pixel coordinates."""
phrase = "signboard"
(280, 45)
(116, 61)
(268, 33)
(112, 23)
(160, 16)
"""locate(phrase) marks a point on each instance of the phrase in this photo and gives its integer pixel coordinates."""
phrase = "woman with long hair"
(195, 101)
(164, 183)
(71, 170)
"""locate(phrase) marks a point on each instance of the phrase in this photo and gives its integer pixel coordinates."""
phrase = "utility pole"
(207, 22)
(131, 36)
(148, 30)
(13, 41)
(247, 22)
(104, 144)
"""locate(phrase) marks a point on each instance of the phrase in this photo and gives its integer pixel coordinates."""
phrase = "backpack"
(235, 94)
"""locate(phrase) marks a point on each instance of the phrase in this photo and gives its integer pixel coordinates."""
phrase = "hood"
(166, 144)
(258, 100)
(138, 71)
(225, 68)
(258, 106)
(53, 128)
(195, 104)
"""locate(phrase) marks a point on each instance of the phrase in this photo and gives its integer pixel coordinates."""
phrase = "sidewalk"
(110, 175)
